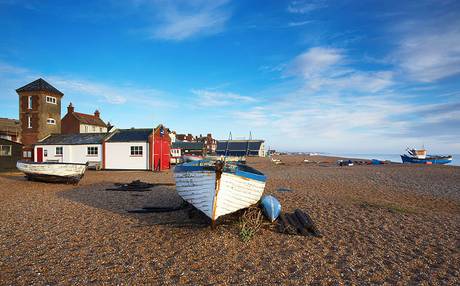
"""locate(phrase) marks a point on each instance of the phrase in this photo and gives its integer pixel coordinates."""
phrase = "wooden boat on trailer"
(53, 172)
(217, 188)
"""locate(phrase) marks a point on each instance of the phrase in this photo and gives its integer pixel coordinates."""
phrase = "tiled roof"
(188, 145)
(131, 135)
(89, 119)
(74, 139)
(39, 85)
(10, 125)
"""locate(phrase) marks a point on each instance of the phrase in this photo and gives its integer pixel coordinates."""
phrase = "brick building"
(76, 122)
(210, 143)
(39, 113)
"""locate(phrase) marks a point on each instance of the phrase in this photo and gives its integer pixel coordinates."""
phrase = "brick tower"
(39, 113)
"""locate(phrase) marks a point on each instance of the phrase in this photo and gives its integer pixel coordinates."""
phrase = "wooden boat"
(271, 207)
(52, 172)
(218, 188)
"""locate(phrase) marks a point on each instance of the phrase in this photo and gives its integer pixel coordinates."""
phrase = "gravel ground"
(390, 224)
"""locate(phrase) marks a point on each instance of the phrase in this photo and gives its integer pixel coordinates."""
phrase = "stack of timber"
(297, 222)
(134, 186)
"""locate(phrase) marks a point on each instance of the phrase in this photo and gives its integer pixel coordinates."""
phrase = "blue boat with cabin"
(419, 156)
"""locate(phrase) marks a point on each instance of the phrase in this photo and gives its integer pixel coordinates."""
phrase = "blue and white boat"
(271, 207)
(217, 188)
(415, 156)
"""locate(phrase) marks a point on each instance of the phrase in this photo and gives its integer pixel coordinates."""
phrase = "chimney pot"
(97, 113)
(70, 108)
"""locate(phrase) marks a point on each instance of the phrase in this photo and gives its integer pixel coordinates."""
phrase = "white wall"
(262, 150)
(118, 156)
(85, 128)
(70, 153)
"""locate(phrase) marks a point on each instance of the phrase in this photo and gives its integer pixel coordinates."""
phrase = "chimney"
(97, 113)
(70, 108)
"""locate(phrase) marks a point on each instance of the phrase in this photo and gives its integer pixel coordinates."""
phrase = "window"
(100, 129)
(50, 99)
(5, 150)
(27, 154)
(86, 129)
(51, 121)
(94, 128)
(29, 121)
(92, 151)
(29, 101)
(136, 150)
(45, 153)
(58, 151)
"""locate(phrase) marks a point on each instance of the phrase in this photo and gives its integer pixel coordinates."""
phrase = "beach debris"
(134, 186)
(277, 161)
(283, 190)
(297, 222)
(150, 209)
(250, 223)
(342, 163)
(271, 207)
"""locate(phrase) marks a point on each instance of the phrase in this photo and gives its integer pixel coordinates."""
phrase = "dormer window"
(51, 121)
(50, 99)
(29, 102)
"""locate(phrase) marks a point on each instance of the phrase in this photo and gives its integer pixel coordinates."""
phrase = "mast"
(228, 141)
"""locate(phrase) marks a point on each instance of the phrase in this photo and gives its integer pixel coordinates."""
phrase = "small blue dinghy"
(271, 207)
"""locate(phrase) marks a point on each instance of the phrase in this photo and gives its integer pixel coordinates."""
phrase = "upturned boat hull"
(53, 172)
(271, 207)
(218, 192)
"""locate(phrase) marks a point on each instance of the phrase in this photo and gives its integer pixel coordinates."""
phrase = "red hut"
(161, 149)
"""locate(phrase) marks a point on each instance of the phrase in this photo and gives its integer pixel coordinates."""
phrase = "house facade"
(71, 148)
(127, 149)
(137, 149)
(39, 113)
(10, 153)
(210, 143)
(240, 148)
(76, 122)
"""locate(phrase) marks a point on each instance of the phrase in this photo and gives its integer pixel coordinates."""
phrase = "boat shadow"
(123, 202)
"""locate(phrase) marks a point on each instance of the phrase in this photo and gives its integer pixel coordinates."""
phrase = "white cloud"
(297, 24)
(111, 94)
(183, 20)
(208, 98)
(326, 68)
(305, 6)
(431, 57)
(429, 49)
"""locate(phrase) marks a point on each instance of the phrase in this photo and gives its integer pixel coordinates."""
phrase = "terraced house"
(76, 122)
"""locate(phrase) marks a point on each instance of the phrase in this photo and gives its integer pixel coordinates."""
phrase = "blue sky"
(332, 76)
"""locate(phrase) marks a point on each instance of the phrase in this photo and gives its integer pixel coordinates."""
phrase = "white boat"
(218, 188)
(52, 171)
(191, 158)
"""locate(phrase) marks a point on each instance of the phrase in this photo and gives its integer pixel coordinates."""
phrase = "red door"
(156, 154)
(165, 156)
(39, 155)
(161, 156)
